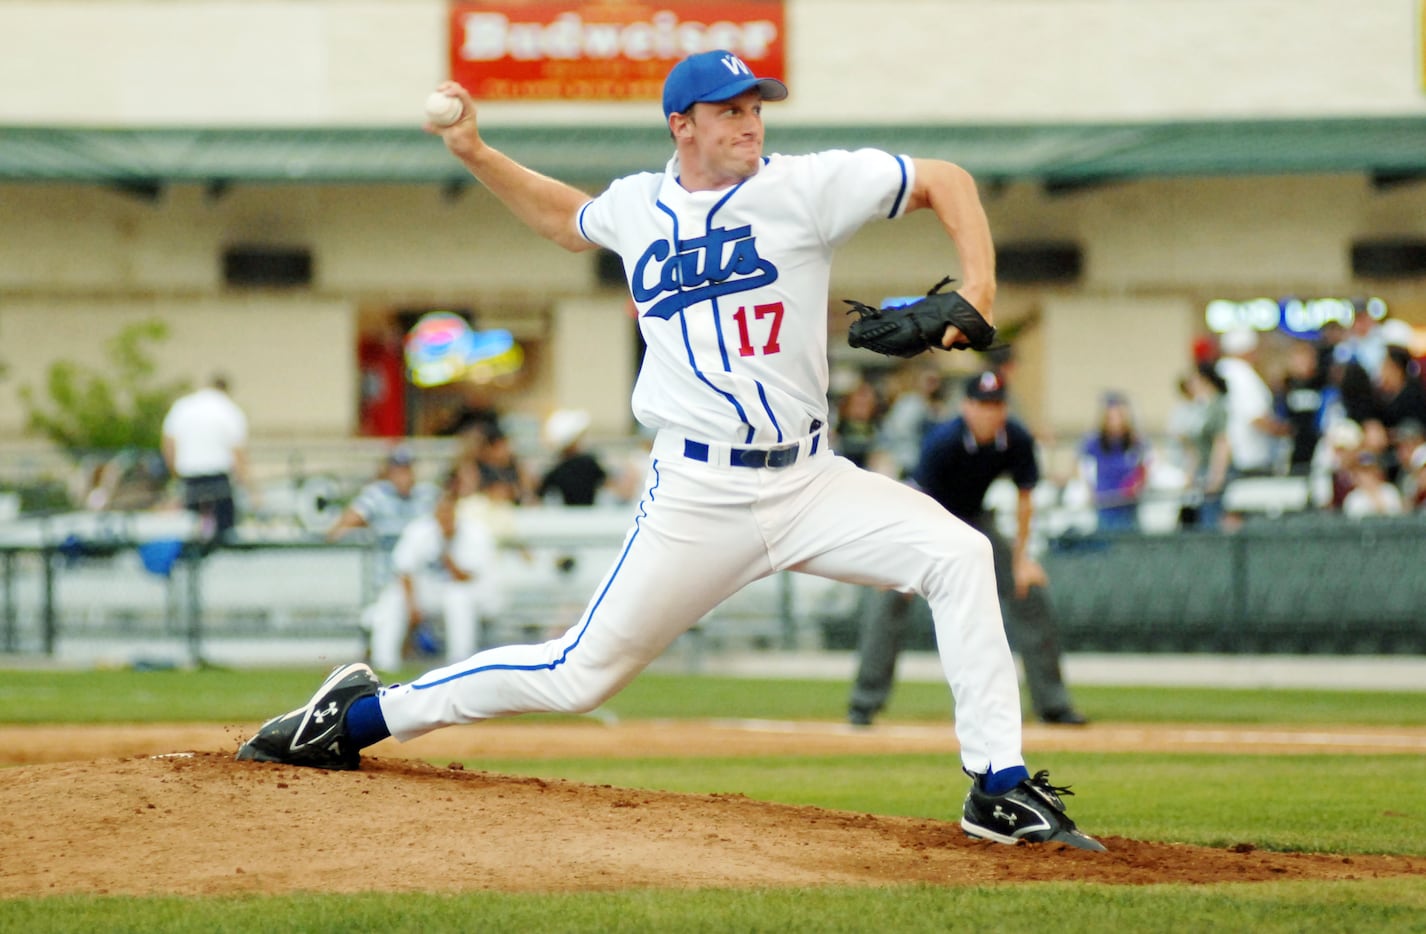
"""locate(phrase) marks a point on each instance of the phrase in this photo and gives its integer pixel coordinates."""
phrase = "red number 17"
(745, 343)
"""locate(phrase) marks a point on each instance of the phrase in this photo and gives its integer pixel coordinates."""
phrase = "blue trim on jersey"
(718, 324)
(900, 192)
(683, 324)
(580, 220)
(588, 619)
(718, 330)
(762, 395)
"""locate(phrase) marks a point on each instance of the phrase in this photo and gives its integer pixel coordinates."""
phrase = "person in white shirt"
(443, 565)
(1252, 446)
(205, 436)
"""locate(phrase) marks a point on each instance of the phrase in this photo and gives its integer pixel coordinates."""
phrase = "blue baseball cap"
(718, 75)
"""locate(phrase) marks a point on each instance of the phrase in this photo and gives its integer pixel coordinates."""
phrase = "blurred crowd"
(1344, 414)
(1335, 423)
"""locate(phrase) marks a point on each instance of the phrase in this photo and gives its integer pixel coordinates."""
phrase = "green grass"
(1287, 803)
(229, 696)
(1375, 905)
(1334, 803)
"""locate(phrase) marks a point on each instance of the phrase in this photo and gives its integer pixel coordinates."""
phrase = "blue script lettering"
(702, 269)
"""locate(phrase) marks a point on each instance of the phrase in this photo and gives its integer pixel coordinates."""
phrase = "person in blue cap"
(727, 253)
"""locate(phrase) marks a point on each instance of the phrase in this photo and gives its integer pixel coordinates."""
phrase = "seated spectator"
(913, 411)
(1371, 494)
(576, 477)
(1409, 441)
(856, 424)
(1114, 463)
(389, 503)
(502, 475)
(1400, 394)
(444, 566)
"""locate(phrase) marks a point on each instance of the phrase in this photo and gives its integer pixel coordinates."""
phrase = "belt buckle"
(755, 458)
(784, 456)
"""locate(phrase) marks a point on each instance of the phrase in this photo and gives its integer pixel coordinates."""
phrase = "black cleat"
(1065, 716)
(1031, 812)
(315, 734)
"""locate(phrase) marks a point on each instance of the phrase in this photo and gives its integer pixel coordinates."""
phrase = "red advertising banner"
(609, 51)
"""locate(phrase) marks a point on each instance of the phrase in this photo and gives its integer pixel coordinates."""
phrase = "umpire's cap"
(714, 76)
(986, 387)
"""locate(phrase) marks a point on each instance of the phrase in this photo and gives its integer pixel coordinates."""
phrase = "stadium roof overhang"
(1062, 157)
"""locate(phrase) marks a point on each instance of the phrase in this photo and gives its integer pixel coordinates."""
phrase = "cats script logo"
(724, 262)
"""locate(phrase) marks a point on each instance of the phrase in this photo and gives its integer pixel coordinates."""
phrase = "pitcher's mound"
(203, 823)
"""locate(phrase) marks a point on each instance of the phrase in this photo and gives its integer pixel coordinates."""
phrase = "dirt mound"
(201, 823)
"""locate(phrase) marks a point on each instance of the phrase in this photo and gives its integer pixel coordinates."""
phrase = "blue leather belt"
(783, 455)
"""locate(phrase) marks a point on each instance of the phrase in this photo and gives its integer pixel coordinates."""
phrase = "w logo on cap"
(989, 382)
(735, 65)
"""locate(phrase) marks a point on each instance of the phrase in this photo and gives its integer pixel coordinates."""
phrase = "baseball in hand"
(442, 109)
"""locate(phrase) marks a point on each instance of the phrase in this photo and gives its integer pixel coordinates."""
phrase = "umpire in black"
(959, 461)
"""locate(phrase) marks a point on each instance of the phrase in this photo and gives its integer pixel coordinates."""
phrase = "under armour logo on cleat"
(1004, 815)
(320, 716)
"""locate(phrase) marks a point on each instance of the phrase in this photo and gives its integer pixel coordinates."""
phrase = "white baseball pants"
(701, 532)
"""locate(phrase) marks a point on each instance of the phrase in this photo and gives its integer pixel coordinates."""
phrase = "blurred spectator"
(1364, 343)
(1206, 453)
(1114, 464)
(472, 413)
(1184, 420)
(1329, 338)
(1301, 405)
(1400, 394)
(502, 475)
(1331, 478)
(856, 424)
(130, 480)
(1371, 494)
(577, 476)
(1409, 443)
(205, 437)
(917, 407)
(1251, 443)
(444, 565)
(389, 503)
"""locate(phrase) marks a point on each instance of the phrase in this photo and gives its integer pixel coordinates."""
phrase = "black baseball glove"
(908, 330)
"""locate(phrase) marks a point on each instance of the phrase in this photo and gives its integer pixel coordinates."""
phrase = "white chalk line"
(1096, 735)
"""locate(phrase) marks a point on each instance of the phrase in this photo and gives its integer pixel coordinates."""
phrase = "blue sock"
(365, 724)
(996, 783)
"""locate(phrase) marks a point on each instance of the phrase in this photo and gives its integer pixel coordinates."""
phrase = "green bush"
(91, 413)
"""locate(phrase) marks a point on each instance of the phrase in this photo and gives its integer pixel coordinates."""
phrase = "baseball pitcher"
(728, 252)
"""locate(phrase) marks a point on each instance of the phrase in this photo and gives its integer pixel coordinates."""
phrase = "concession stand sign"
(516, 50)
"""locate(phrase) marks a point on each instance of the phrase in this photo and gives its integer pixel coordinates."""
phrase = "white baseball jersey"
(422, 543)
(731, 287)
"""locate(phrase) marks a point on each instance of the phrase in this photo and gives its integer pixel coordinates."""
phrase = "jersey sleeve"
(848, 189)
(598, 219)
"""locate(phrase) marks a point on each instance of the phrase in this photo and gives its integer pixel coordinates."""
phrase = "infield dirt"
(167, 810)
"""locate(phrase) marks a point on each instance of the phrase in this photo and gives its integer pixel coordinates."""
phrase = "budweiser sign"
(602, 51)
